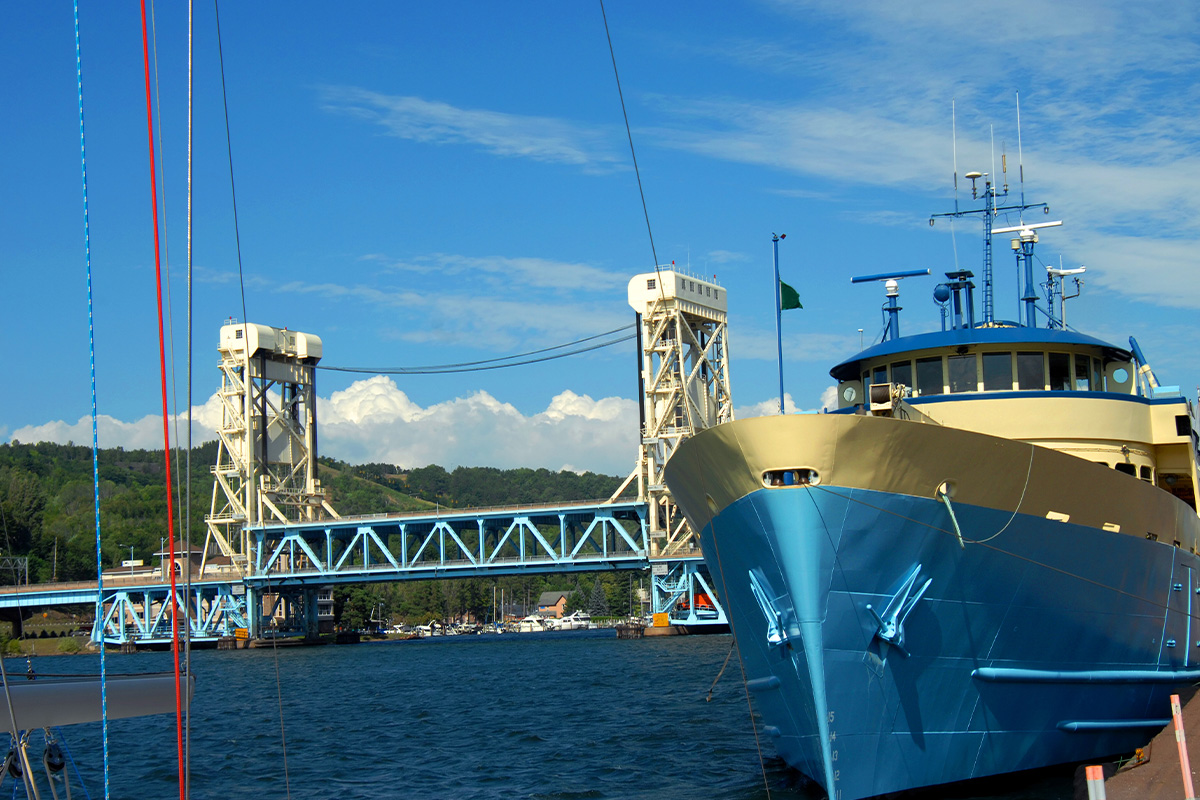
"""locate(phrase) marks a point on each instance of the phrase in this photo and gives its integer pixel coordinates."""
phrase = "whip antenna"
(954, 150)
(1020, 157)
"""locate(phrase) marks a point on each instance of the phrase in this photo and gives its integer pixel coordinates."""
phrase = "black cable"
(481, 366)
(229, 148)
(629, 133)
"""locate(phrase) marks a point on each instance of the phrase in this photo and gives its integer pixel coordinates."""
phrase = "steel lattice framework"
(684, 377)
(267, 440)
(272, 522)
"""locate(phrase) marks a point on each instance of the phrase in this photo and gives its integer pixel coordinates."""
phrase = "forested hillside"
(47, 513)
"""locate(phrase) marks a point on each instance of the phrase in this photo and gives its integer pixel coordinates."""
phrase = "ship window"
(1060, 372)
(997, 372)
(716, 294)
(1097, 375)
(650, 283)
(708, 291)
(1030, 374)
(1183, 426)
(879, 375)
(902, 373)
(239, 334)
(1128, 469)
(963, 377)
(1147, 474)
(1082, 382)
(929, 376)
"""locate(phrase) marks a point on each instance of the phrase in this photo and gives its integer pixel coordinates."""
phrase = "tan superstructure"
(908, 457)
(1077, 399)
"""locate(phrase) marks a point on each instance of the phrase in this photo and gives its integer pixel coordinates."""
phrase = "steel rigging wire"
(496, 363)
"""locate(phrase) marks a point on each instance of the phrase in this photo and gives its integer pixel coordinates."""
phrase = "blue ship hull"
(884, 655)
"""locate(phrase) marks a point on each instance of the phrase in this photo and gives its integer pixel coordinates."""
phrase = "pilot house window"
(962, 373)
(997, 372)
(929, 376)
(1060, 372)
(1082, 384)
(1030, 374)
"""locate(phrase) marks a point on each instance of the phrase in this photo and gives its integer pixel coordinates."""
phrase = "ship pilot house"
(1049, 386)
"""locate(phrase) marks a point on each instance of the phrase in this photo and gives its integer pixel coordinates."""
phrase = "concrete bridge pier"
(17, 617)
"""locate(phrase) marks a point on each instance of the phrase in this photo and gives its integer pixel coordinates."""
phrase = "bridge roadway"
(292, 561)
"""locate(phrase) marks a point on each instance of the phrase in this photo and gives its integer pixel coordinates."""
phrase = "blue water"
(538, 716)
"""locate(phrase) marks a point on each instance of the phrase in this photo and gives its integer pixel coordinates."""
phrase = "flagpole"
(778, 314)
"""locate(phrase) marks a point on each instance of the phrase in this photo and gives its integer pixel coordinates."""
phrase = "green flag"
(788, 297)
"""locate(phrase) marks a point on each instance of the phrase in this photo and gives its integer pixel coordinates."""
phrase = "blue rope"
(87, 246)
(74, 766)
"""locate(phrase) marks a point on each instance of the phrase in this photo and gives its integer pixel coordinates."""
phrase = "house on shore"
(552, 604)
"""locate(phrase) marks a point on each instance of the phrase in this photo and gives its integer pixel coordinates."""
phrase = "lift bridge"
(275, 545)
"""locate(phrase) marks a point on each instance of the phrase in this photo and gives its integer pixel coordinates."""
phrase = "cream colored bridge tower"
(684, 378)
(266, 468)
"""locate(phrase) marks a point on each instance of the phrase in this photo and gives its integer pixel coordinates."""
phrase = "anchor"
(891, 621)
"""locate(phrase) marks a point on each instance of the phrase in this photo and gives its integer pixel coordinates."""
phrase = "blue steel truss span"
(571, 537)
(292, 561)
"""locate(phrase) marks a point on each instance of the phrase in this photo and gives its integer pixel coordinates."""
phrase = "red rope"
(162, 363)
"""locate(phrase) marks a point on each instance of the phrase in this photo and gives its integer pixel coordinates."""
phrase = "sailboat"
(43, 704)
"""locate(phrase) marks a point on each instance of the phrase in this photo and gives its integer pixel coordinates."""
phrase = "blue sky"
(434, 183)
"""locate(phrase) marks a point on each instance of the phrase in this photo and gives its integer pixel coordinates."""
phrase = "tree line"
(47, 513)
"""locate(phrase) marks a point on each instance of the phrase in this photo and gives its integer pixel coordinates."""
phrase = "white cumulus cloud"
(374, 421)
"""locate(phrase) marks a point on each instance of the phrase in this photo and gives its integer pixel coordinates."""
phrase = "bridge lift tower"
(266, 470)
(683, 374)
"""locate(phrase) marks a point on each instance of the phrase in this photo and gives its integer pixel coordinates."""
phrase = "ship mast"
(988, 214)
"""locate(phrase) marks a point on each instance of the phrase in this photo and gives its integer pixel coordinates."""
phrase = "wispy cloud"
(542, 139)
(1108, 117)
(455, 312)
(728, 257)
(512, 273)
(819, 348)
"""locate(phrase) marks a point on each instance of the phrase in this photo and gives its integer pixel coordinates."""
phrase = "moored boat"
(575, 621)
(530, 624)
(983, 561)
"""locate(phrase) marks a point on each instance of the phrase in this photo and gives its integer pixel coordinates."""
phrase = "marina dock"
(1158, 776)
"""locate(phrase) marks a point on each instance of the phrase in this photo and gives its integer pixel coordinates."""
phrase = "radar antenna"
(891, 329)
(990, 210)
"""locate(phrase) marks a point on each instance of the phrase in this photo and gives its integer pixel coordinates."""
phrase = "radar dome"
(941, 293)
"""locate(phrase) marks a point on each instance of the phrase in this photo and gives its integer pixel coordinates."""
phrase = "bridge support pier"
(683, 591)
(17, 618)
(311, 628)
(254, 615)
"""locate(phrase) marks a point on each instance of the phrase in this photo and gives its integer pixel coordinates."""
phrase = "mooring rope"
(708, 698)
(762, 764)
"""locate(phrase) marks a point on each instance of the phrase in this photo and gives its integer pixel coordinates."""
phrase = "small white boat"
(531, 624)
(576, 621)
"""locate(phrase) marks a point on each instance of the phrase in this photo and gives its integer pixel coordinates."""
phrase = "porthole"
(793, 476)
